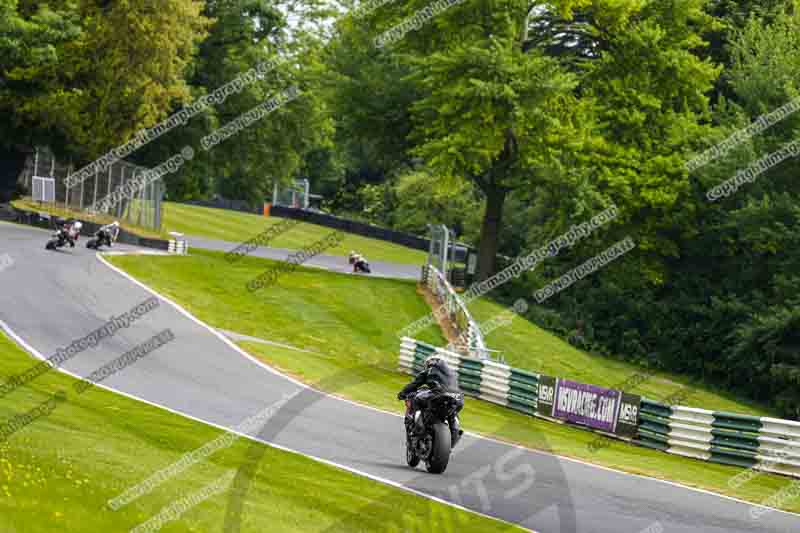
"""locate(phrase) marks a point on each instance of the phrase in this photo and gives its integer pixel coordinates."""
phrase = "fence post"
(80, 203)
(118, 206)
(141, 205)
(35, 168)
(96, 180)
(157, 196)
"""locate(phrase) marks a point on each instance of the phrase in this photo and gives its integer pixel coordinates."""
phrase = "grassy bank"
(57, 473)
(351, 324)
(235, 226)
(526, 345)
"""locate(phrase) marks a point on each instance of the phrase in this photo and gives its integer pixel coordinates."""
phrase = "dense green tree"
(125, 72)
(723, 309)
(242, 36)
(31, 35)
(485, 109)
(420, 194)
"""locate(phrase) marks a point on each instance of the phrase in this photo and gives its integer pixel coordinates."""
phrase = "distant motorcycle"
(66, 234)
(428, 434)
(359, 263)
(362, 266)
(105, 236)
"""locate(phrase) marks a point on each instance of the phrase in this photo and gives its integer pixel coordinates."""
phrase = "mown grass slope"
(58, 473)
(237, 227)
(351, 324)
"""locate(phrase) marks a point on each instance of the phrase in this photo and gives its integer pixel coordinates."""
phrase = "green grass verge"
(351, 322)
(235, 226)
(310, 308)
(57, 473)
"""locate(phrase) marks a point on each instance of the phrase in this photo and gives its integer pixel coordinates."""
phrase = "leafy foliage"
(508, 120)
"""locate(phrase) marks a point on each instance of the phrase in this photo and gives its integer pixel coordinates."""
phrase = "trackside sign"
(608, 410)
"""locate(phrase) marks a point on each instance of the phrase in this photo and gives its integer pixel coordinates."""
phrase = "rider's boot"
(455, 431)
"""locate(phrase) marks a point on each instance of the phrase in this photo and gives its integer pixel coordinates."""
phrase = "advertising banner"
(596, 407)
(546, 395)
(628, 419)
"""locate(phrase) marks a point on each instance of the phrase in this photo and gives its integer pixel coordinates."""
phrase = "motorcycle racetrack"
(50, 298)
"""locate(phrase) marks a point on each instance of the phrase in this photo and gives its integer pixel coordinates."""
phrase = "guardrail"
(456, 310)
(760, 443)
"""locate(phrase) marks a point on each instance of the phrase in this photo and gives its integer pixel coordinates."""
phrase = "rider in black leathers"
(439, 378)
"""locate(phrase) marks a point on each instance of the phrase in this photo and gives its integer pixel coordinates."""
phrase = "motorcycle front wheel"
(51, 244)
(440, 454)
(91, 244)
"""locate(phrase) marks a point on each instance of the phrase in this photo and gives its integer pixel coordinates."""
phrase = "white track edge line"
(7, 329)
(474, 435)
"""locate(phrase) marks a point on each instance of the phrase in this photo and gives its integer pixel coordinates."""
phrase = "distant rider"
(357, 260)
(72, 231)
(109, 233)
(439, 378)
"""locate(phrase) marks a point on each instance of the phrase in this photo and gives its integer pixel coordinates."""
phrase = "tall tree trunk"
(490, 229)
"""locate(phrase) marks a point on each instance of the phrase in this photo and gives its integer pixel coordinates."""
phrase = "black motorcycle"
(359, 264)
(101, 238)
(60, 238)
(362, 266)
(428, 434)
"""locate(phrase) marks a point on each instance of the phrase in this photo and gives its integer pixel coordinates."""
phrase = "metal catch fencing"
(45, 177)
(457, 311)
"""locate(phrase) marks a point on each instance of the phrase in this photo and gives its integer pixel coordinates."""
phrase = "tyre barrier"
(758, 443)
(761, 443)
(178, 247)
(480, 378)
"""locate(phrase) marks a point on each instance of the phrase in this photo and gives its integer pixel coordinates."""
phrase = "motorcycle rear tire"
(440, 454)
